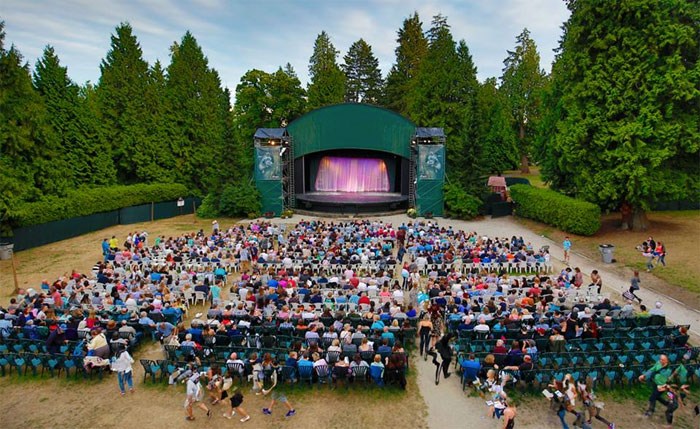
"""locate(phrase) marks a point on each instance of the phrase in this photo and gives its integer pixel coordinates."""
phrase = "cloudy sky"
(239, 35)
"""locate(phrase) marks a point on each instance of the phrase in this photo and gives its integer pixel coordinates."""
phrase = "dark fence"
(37, 235)
(676, 205)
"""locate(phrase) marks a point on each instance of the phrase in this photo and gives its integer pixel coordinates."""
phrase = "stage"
(352, 202)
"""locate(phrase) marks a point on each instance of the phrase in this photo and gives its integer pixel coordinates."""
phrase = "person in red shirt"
(364, 299)
(57, 300)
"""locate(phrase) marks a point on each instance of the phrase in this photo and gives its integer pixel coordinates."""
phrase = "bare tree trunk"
(639, 220)
(524, 165)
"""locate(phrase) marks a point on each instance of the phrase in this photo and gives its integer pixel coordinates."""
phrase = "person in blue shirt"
(567, 249)
(165, 330)
(470, 368)
(378, 325)
(170, 310)
(105, 248)
(388, 335)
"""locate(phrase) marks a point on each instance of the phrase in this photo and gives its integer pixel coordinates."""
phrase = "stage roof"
(270, 133)
(352, 126)
(425, 133)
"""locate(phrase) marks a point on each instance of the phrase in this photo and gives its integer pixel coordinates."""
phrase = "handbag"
(628, 295)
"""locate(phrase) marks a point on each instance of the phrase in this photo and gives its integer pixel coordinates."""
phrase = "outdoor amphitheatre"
(422, 248)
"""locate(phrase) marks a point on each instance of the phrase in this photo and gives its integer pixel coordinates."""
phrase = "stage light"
(282, 151)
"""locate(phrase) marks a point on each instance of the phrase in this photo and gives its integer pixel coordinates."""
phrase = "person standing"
(105, 248)
(567, 249)
(509, 414)
(195, 394)
(660, 253)
(121, 364)
(596, 280)
(648, 253)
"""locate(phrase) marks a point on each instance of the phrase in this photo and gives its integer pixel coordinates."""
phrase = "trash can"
(607, 251)
(6, 251)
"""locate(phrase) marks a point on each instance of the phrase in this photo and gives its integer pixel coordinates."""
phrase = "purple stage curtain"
(337, 174)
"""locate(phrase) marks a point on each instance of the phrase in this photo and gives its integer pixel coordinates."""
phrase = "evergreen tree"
(155, 162)
(522, 83)
(81, 157)
(199, 115)
(445, 96)
(624, 105)
(495, 133)
(123, 106)
(327, 81)
(29, 164)
(363, 79)
(412, 49)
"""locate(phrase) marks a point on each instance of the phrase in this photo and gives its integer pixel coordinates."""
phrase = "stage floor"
(356, 202)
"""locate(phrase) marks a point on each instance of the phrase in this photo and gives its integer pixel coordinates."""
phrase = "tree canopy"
(522, 82)
(622, 111)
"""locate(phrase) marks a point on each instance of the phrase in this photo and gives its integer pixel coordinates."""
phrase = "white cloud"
(240, 35)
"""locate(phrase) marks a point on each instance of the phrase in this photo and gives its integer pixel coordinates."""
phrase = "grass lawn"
(533, 176)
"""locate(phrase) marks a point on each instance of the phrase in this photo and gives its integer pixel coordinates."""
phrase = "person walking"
(275, 395)
(425, 326)
(236, 402)
(658, 375)
(566, 244)
(195, 394)
(444, 349)
(121, 364)
(591, 406)
(634, 286)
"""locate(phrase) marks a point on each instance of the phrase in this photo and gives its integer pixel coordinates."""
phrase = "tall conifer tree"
(363, 79)
(410, 52)
(522, 83)
(326, 79)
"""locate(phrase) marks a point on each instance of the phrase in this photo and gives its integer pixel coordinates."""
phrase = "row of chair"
(607, 376)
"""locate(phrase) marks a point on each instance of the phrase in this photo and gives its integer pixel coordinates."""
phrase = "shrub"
(209, 209)
(566, 213)
(240, 199)
(87, 201)
(459, 203)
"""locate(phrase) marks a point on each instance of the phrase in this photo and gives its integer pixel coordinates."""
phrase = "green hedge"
(87, 201)
(459, 203)
(566, 213)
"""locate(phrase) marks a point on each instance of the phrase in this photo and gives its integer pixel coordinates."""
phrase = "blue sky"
(239, 35)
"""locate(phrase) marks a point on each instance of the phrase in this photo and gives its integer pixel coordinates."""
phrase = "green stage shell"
(352, 126)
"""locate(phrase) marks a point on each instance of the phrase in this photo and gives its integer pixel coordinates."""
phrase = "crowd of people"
(346, 296)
